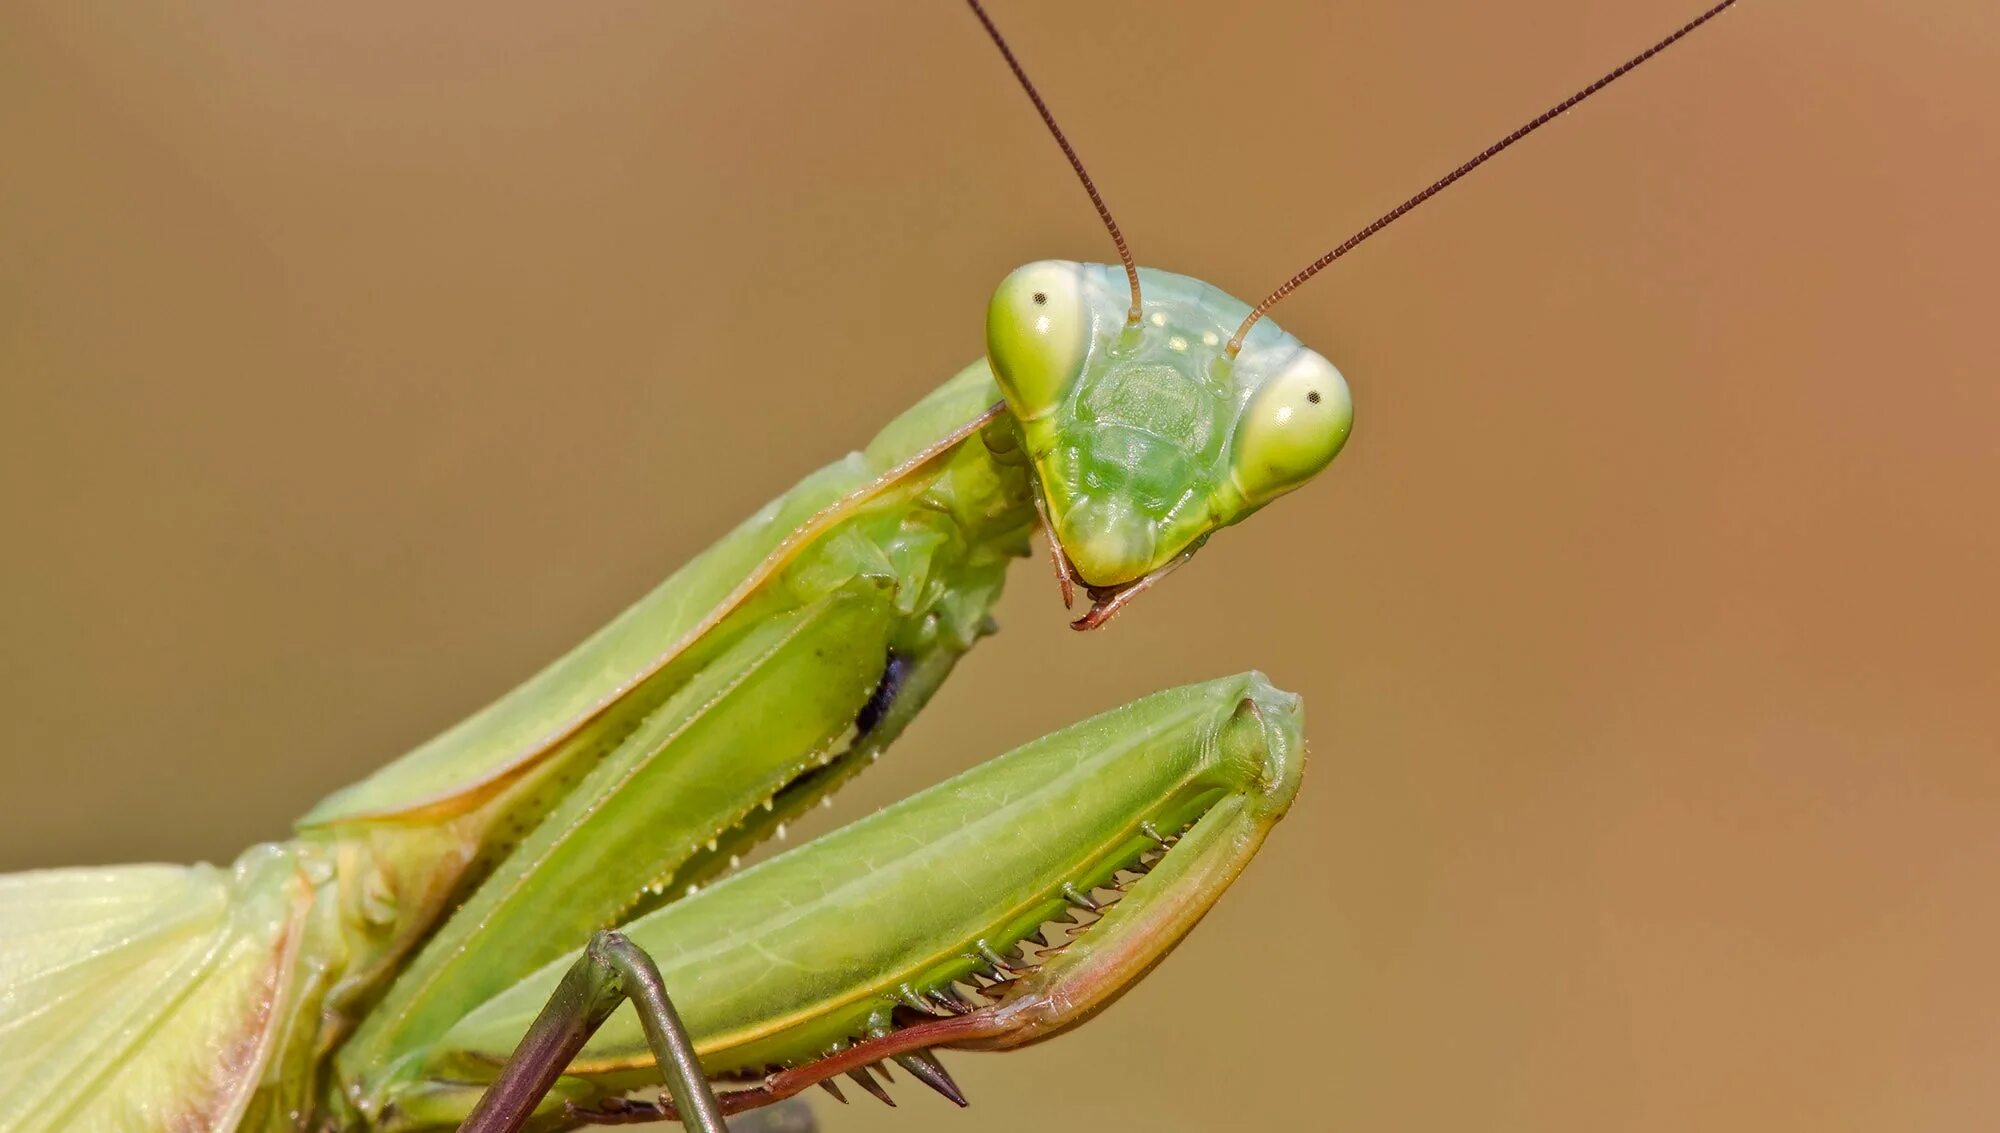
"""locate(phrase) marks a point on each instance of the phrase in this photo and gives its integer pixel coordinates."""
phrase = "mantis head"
(1148, 434)
(1156, 409)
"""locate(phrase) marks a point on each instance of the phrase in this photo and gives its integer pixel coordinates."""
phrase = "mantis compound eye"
(1037, 334)
(1292, 427)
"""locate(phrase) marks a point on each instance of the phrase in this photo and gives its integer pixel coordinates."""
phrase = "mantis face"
(1148, 436)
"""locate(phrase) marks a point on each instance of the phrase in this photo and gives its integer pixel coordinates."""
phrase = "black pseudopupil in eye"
(1041, 297)
(1313, 396)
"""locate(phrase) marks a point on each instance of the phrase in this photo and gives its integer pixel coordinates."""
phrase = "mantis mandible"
(444, 943)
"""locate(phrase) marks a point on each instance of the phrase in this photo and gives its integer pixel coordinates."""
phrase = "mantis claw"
(867, 1081)
(925, 1067)
(918, 1003)
(987, 953)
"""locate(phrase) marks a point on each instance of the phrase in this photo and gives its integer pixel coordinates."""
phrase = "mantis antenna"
(1485, 155)
(1075, 162)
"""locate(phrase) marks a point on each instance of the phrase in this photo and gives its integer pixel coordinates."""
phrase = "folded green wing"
(96, 962)
(552, 706)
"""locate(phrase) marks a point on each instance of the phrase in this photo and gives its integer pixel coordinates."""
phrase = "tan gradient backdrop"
(357, 358)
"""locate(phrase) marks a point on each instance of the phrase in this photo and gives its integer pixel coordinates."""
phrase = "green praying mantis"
(445, 944)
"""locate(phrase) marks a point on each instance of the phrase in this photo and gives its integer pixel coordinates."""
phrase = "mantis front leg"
(611, 970)
(994, 910)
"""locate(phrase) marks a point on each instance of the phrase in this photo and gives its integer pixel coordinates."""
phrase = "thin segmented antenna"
(1075, 162)
(1438, 186)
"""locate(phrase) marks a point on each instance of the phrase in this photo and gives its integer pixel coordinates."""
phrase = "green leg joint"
(611, 970)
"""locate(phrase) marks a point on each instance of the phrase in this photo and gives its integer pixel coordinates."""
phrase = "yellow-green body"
(747, 665)
(366, 973)
(374, 971)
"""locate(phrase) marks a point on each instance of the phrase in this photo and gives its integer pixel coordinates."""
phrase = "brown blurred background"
(355, 359)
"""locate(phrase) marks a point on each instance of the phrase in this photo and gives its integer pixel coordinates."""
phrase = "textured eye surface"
(1291, 428)
(1037, 333)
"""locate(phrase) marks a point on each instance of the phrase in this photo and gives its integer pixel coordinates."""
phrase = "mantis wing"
(142, 997)
(552, 707)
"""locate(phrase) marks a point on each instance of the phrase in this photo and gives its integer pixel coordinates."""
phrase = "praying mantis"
(443, 944)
